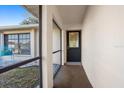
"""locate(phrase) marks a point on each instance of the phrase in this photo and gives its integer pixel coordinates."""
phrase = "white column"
(32, 34)
(47, 46)
(63, 47)
(1, 39)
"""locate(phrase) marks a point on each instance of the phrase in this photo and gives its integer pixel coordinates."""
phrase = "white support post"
(47, 47)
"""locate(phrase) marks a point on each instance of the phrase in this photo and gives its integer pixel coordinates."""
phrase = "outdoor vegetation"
(30, 20)
(26, 77)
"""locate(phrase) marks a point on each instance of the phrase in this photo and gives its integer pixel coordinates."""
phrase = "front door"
(73, 46)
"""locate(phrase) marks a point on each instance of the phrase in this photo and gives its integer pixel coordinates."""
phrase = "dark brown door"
(73, 46)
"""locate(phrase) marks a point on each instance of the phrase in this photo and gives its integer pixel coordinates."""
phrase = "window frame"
(6, 40)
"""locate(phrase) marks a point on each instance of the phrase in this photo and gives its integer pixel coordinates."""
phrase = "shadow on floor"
(71, 76)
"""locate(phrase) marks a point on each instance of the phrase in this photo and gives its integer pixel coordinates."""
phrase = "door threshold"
(73, 63)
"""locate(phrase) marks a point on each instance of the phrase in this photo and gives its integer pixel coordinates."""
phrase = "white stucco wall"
(56, 44)
(56, 38)
(103, 45)
(36, 42)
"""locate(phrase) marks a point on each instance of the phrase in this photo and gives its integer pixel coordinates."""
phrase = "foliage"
(30, 20)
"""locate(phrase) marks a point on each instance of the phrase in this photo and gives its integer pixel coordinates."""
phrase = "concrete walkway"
(71, 76)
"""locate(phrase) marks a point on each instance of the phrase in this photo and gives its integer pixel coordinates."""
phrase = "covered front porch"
(83, 44)
(56, 18)
(51, 54)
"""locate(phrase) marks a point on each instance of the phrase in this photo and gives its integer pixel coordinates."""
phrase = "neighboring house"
(22, 39)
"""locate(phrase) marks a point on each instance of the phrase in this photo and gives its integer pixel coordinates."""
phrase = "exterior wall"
(36, 42)
(33, 45)
(56, 44)
(73, 27)
(49, 12)
(103, 45)
(1, 39)
(57, 18)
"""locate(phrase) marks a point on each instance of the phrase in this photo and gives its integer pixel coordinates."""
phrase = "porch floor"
(71, 76)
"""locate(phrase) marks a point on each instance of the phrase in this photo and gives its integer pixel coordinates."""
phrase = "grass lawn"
(26, 77)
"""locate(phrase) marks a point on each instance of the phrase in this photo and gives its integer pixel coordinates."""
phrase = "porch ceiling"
(34, 9)
(72, 14)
